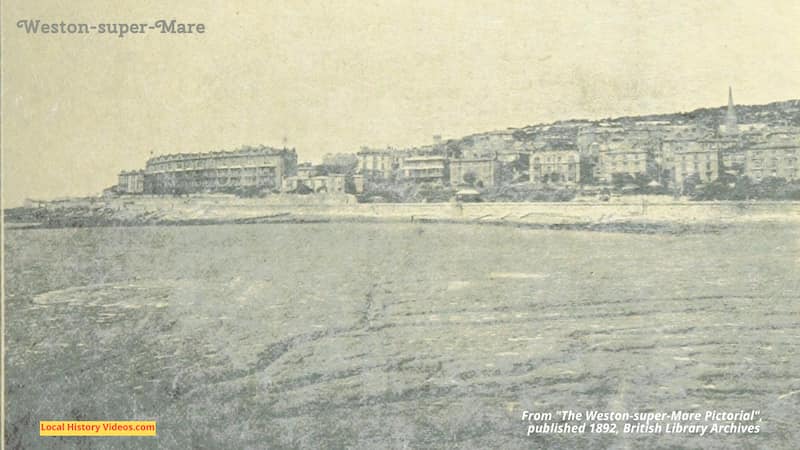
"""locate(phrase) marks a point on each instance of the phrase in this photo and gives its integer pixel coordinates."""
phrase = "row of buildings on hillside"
(657, 152)
(483, 160)
(662, 152)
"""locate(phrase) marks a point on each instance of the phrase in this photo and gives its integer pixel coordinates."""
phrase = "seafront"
(627, 211)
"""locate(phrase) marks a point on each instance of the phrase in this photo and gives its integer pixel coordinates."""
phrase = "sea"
(400, 335)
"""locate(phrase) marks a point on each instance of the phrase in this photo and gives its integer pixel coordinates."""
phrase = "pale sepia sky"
(332, 76)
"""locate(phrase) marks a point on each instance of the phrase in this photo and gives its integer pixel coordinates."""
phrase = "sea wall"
(140, 209)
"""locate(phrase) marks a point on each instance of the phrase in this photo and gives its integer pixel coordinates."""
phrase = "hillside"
(783, 113)
(777, 113)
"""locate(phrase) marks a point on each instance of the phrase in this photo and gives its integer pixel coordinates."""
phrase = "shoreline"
(642, 216)
(612, 227)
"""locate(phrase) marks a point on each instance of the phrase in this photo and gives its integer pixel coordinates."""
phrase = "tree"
(507, 173)
(768, 187)
(690, 184)
(665, 177)
(302, 189)
(470, 178)
(742, 189)
(349, 185)
(716, 190)
(344, 163)
(620, 179)
(642, 180)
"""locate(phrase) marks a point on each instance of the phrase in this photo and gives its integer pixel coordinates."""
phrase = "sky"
(328, 77)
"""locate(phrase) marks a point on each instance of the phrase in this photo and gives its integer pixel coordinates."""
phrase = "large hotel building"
(249, 167)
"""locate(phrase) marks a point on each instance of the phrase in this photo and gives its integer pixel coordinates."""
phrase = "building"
(482, 172)
(425, 168)
(701, 158)
(379, 164)
(730, 152)
(778, 157)
(592, 136)
(306, 169)
(130, 182)
(297, 185)
(318, 184)
(621, 158)
(328, 184)
(555, 165)
(222, 171)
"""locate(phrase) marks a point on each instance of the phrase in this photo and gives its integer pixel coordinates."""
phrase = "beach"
(398, 334)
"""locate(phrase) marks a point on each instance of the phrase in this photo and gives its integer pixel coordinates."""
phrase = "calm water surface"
(396, 335)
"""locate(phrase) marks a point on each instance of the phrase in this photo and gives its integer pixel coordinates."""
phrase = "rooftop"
(244, 151)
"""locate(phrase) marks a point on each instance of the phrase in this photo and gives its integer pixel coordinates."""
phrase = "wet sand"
(397, 335)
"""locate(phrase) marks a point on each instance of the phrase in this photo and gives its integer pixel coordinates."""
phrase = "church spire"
(731, 124)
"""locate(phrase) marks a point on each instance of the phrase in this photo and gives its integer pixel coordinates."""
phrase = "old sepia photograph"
(400, 224)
